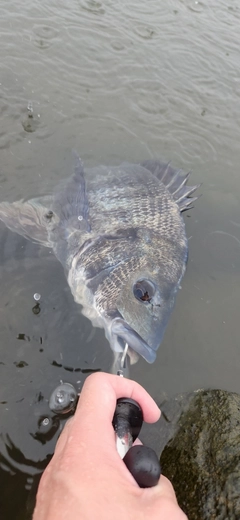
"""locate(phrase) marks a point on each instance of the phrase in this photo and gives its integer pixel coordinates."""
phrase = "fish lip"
(122, 329)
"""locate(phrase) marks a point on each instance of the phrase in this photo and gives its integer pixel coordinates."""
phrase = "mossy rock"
(202, 459)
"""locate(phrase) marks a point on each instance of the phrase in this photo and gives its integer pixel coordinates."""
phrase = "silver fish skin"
(119, 233)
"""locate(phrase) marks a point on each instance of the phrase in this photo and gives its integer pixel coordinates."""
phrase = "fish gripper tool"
(141, 461)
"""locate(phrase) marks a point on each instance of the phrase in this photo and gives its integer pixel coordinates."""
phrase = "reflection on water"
(116, 81)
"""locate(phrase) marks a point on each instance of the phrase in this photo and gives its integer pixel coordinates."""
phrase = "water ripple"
(195, 5)
(145, 32)
(93, 6)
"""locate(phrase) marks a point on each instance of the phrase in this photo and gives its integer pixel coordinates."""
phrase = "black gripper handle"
(141, 461)
(128, 417)
(143, 464)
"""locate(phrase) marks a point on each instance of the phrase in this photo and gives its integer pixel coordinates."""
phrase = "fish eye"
(144, 290)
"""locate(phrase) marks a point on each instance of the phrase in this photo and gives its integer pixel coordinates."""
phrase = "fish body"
(120, 236)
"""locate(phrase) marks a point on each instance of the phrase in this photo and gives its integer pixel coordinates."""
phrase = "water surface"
(121, 80)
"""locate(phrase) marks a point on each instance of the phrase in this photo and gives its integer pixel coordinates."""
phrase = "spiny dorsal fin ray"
(187, 203)
(174, 180)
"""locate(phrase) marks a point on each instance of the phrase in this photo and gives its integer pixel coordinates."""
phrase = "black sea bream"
(120, 236)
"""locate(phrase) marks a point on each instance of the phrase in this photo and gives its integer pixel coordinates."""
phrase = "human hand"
(86, 478)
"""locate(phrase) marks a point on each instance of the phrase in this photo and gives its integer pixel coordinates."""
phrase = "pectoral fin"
(29, 219)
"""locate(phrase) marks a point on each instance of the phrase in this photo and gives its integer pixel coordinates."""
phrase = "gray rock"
(202, 459)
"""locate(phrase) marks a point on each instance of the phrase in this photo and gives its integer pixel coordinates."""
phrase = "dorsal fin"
(174, 180)
(70, 200)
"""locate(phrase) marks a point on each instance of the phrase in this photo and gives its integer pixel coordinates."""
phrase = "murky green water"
(121, 80)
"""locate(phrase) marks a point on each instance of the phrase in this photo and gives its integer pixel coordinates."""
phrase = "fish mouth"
(120, 329)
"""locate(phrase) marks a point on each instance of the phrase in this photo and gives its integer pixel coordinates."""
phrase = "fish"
(119, 234)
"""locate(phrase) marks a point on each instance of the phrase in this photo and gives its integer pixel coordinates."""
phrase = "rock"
(202, 459)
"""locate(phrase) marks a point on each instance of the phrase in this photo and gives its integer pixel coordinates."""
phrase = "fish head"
(130, 286)
(144, 311)
(144, 306)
